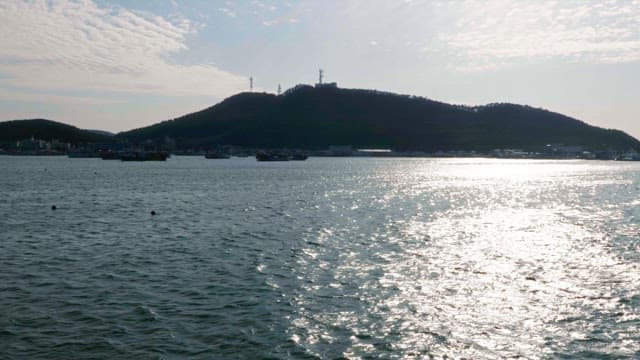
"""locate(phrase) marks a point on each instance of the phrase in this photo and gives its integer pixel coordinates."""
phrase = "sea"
(328, 258)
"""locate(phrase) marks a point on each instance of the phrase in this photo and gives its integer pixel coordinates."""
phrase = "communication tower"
(322, 84)
(251, 84)
(279, 89)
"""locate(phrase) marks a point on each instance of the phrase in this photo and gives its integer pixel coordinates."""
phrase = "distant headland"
(327, 120)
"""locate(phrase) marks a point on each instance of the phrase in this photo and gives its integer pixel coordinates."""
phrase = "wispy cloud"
(78, 45)
(493, 34)
(31, 97)
(228, 12)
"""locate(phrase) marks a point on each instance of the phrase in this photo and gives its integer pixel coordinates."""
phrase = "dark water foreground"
(327, 258)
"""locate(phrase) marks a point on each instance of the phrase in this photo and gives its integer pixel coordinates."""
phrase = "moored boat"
(216, 155)
(145, 156)
(280, 156)
(271, 156)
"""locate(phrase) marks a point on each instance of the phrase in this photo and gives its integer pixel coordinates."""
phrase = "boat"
(280, 156)
(216, 155)
(271, 156)
(144, 156)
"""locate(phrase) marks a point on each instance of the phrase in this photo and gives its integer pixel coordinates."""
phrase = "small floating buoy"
(53, 207)
(153, 212)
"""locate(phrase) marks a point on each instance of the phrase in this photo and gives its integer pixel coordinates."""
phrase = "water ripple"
(327, 258)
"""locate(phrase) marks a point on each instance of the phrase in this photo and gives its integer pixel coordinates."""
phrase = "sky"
(121, 64)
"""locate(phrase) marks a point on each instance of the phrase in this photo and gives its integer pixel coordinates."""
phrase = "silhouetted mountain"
(316, 117)
(42, 129)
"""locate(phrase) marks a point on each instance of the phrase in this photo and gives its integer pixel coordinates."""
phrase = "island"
(326, 120)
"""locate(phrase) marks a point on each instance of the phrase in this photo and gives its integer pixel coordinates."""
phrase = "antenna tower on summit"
(322, 84)
(251, 84)
(279, 89)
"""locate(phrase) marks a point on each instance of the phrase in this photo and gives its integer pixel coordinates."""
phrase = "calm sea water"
(326, 258)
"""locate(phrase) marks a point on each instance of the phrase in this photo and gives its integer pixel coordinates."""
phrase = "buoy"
(53, 207)
(153, 212)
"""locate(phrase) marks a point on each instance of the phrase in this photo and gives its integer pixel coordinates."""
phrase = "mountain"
(316, 117)
(42, 129)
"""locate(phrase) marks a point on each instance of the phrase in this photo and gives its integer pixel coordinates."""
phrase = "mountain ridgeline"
(317, 117)
(48, 130)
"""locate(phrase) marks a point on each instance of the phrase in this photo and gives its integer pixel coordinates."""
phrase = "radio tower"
(251, 84)
(279, 89)
(320, 74)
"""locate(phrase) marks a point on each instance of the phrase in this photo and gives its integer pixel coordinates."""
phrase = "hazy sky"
(117, 65)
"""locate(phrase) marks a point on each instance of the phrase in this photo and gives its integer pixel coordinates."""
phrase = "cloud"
(77, 45)
(493, 34)
(31, 97)
(228, 12)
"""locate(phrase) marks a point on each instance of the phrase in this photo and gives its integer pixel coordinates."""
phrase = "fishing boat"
(216, 155)
(271, 156)
(144, 156)
(280, 156)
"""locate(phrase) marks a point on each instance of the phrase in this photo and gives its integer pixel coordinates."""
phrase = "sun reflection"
(477, 258)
